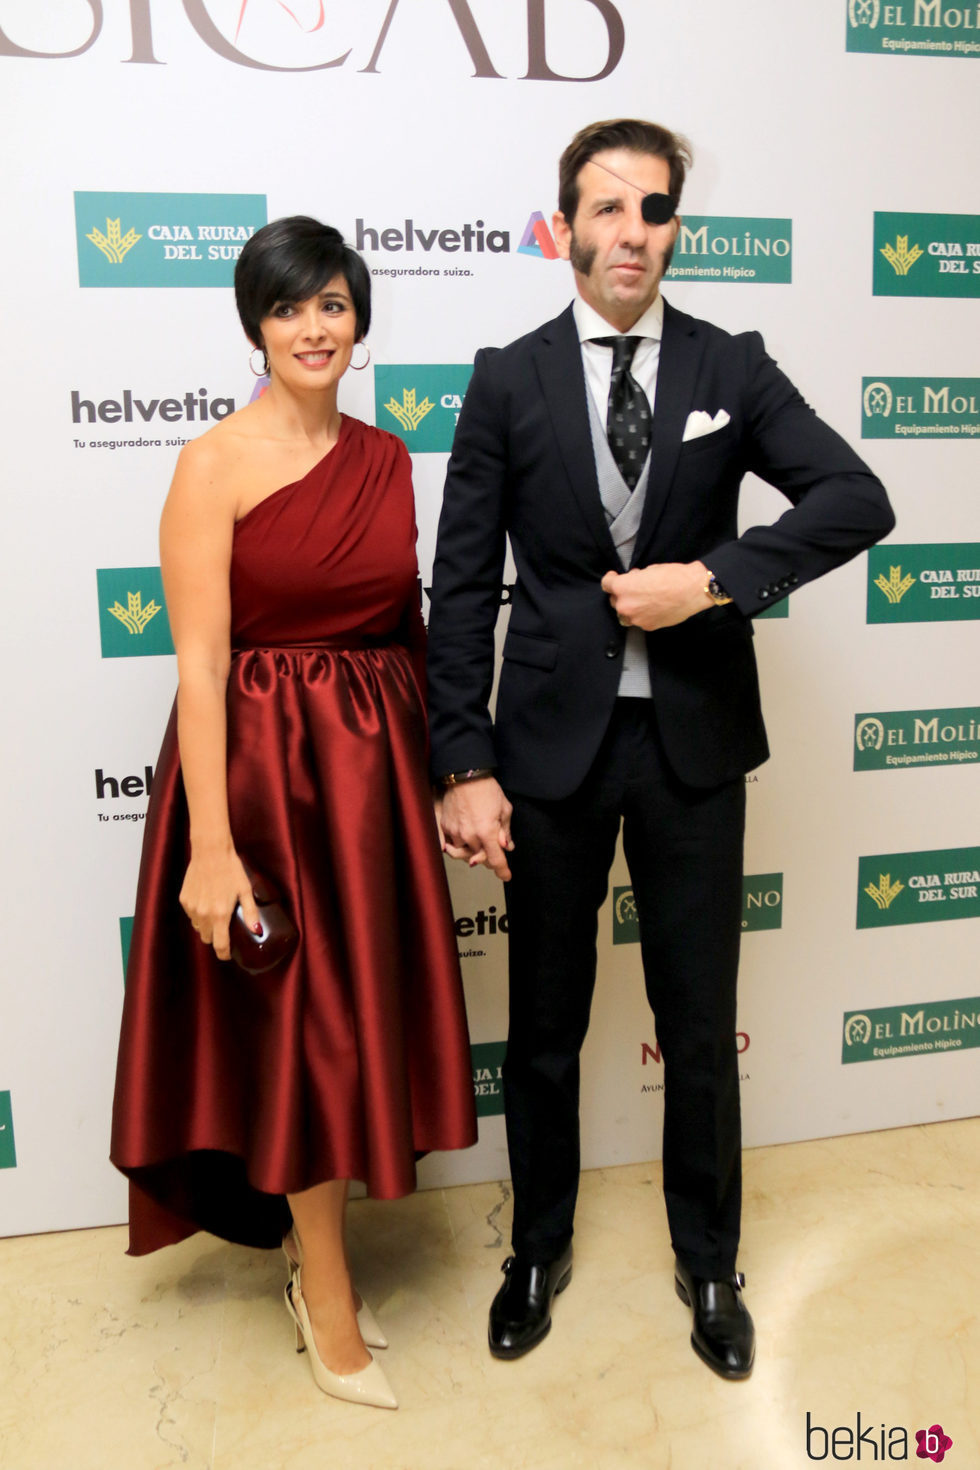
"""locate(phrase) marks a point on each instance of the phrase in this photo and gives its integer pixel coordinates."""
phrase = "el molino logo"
(321, 45)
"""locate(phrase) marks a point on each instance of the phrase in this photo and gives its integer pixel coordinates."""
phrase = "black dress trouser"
(683, 847)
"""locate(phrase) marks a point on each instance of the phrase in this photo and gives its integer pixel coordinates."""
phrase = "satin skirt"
(349, 1060)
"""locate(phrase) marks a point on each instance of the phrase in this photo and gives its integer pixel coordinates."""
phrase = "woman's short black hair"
(292, 259)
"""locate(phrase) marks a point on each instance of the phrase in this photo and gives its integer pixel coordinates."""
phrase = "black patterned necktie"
(628, 420)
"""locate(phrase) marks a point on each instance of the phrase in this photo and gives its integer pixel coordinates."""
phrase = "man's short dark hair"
(622, 132)
(292, 259)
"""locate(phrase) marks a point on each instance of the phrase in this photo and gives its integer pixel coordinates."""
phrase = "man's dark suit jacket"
(523, 464)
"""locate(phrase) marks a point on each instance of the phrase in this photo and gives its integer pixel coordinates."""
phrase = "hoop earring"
(359, 367)
(263, 371)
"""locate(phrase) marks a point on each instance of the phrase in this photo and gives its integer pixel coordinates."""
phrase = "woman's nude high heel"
(368, 1386)
(367, 1322)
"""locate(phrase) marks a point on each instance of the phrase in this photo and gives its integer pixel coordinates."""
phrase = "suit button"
(613, 650)
(763, 592)
(785, 584)
(792, 579)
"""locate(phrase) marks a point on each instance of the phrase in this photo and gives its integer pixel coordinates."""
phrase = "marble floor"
(863, 1277)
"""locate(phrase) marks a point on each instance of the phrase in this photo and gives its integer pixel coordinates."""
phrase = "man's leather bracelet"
(459, 778)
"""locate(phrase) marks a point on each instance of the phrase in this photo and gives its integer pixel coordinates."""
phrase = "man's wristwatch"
(459, 778)
(716, 591)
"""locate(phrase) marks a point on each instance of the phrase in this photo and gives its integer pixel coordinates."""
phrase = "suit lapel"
(680, 356)
(558, 361)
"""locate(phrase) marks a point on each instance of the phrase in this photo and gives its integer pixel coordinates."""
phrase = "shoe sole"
(518, 1352)
(732, 1374)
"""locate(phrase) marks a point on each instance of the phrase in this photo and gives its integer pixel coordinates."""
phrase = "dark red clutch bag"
(257, 953)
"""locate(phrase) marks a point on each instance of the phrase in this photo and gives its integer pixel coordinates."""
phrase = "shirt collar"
(590, 324)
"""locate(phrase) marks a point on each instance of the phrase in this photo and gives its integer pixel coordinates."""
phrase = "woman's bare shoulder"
(217, 455)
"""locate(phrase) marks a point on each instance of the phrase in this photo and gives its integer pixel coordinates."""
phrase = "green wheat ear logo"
(884, 892)
(409, 413)
(900, 257)
(135, 617)
(113, 244)
(894, 586)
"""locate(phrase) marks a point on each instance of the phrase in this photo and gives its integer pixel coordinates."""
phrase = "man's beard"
(582, 257)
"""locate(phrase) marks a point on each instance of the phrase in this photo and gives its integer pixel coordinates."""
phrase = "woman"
(245, 1103)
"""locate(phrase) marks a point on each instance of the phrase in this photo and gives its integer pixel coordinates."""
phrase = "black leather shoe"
(520, 1315)
(723, 1335)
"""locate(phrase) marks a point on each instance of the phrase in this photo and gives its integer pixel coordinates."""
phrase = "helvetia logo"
(421, 402)
(169, 239)
(132, 613)
(471, 239)
(916, 1030)
(188, 407)
(537, 239)
(8, 1151)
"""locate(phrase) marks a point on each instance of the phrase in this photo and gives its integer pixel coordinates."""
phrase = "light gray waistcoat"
(623, 511)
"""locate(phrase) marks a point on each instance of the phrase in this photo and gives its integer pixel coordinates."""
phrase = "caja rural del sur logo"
(421, 402)
(924, 583)
(926, 254)
(133, 619)
(271, 35)
(920, 408)
(487, 1058)
(918, 887)
(914, 27)
(163, 239)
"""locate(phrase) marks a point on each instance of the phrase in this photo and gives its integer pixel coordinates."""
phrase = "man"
(610, 445)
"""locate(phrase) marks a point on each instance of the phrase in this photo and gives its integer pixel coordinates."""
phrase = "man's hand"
(475, 821)
(659, 596)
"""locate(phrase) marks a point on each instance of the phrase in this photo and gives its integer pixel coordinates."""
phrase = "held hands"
(213, 884)
(474, 819)
(658, 596)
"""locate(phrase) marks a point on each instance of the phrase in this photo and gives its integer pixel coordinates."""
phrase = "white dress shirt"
(597, 361)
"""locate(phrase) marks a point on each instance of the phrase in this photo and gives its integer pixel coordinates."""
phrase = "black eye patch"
(657, 209)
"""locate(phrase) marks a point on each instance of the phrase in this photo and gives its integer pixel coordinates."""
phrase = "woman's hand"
(213, 885)
(474, 818)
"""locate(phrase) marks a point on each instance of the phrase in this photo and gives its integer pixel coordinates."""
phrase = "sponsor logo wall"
(447, 185)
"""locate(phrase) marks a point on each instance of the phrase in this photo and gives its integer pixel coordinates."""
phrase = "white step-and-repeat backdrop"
(832, 206)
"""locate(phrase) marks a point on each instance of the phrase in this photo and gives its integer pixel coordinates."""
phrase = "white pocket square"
(700, 423)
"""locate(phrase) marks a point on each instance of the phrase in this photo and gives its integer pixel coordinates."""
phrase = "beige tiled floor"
(863, 1277)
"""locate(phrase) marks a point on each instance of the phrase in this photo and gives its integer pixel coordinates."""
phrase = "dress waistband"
(343, 642)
